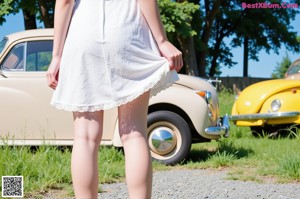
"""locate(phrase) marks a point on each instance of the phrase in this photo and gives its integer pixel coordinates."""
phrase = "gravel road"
(197, 184)
(205, 184)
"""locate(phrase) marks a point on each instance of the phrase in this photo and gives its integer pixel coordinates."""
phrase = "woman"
(106, 54)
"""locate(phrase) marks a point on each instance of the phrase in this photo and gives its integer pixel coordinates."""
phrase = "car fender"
(288, 94)
(289, 102)
(187, 100)
(233, 109)
(184, 98)
(253, 97)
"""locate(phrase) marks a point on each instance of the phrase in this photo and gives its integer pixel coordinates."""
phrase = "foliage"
(5, 8)
(222, 159)
(33, 10)
(31, 164)
(282, 67)
(111, 165)
(205, 24)
(274, 26)
(270, 31)
(289, 166)
(48, 167)
(226, 98)
(266, 157)
(177, 18)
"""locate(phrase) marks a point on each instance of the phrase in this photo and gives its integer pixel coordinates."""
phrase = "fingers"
(51, 80)
(53, 72)
(176, 61)
(172, 54)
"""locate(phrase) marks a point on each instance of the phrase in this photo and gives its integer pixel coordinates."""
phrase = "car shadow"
(202, 155)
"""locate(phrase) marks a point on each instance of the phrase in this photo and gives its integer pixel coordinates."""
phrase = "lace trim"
(93, 108)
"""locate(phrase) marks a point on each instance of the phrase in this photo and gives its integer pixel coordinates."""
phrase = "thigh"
(88, 125)
(133, 115)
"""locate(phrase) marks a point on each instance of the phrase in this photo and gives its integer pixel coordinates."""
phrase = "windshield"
(2, 44)
(294, 68)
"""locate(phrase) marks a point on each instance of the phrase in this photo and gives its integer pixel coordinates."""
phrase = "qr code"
(12, 186)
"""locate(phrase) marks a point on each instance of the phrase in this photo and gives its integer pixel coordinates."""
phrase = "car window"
(15, 58)
(294, 68)
(2, 44)
(38, 55)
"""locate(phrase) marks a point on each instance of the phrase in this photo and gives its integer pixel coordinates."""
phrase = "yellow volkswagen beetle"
(270, 107)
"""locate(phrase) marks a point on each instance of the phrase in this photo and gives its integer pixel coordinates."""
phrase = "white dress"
(109, 58)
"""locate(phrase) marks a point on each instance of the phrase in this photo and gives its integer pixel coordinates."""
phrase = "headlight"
(206, 95)
(275, 105)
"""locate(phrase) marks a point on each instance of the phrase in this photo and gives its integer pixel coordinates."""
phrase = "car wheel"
(169, 137)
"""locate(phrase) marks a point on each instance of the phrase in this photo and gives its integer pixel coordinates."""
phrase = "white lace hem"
(93, 108)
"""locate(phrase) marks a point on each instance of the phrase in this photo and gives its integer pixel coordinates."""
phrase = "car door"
(25, 96)
(25, 110)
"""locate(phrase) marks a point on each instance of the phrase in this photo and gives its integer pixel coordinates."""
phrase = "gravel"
(205, 184)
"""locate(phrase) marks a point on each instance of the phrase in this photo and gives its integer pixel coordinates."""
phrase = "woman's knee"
(88, 126)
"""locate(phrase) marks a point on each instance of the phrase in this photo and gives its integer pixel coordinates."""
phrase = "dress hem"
(93, 108)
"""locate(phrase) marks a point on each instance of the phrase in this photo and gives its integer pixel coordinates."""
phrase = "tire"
(169, 137)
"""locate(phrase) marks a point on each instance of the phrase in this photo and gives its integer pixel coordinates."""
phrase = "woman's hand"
(62, 17)
(172, 54)
(52, 72)
(151, 13)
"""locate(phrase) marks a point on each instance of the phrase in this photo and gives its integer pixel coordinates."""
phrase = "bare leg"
(133, 128)
(88, 129)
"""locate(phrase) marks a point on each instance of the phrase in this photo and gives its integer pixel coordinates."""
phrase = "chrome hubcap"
(162, 140)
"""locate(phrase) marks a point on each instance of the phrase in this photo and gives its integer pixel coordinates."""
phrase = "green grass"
(42, 168)
(289, 166)
(244, 156)
(48, 167)
(250, 158)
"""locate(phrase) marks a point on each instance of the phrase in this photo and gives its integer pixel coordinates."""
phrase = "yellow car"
(185, 113)
(270, 107)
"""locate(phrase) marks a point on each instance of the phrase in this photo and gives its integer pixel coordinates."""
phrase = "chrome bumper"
(222, 129)
(264, 116)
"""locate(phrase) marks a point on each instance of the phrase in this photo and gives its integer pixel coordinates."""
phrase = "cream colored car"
(293, 71)
(185, 113)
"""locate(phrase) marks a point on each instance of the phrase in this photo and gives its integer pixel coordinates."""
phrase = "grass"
(289, 166)
(43, 168)
(250, 158)
(244, 156)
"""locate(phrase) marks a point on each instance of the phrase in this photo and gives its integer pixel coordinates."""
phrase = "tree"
(177, 18)
(212, 8)
(46, 12)
(33, 11)
(5, 8)
(282, 67)
(199, 28)
(257, 29)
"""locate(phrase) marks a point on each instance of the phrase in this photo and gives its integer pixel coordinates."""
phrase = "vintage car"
(185, 113)
(270, 107)
(293, 71)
